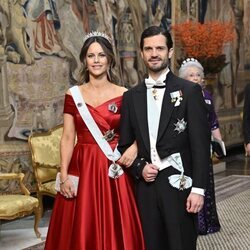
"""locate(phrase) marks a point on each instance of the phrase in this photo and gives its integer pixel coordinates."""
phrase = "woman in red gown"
(103, 215)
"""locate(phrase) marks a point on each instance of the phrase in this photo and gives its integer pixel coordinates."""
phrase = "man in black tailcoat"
(167, 117)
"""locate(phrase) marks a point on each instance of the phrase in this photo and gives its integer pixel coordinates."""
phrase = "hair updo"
(187, 63)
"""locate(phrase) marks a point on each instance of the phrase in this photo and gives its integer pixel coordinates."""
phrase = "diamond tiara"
(189, 60)
(97, 33)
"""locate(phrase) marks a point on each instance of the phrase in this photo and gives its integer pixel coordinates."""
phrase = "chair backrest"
(45, 153)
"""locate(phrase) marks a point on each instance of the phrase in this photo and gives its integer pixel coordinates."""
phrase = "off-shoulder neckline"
(95, 107)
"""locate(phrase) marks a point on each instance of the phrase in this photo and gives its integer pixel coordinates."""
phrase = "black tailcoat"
(246, 115)
(161, 205)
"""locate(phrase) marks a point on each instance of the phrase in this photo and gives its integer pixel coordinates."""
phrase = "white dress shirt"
(159, 94)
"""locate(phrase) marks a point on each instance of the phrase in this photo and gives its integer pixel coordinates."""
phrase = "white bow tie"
(150, 83)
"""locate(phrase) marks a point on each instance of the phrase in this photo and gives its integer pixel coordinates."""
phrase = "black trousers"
(166, 223)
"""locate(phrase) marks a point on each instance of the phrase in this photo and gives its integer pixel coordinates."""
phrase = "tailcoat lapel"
(167, 105)
(140, 105)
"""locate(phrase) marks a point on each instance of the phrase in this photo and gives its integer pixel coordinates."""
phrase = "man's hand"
(150, 172)
(194, 203)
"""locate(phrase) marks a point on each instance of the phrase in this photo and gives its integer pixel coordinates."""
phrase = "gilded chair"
(14, 206)
(45, 153)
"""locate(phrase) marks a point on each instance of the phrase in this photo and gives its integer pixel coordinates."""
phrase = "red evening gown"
(104, 215)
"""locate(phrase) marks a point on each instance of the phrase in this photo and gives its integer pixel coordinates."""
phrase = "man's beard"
(156, 69)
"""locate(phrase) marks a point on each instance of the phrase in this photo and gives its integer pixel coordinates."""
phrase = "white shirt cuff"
(200, 191)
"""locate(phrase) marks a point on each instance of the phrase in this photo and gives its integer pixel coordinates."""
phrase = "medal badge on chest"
(180, 125)
(155, 94)
(176, 97)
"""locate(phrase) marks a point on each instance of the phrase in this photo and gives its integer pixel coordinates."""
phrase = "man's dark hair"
(153, 31)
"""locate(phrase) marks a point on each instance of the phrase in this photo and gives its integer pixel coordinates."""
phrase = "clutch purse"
(74, 179)
(218, 147)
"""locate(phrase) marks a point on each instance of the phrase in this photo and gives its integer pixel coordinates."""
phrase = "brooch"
(180, 125)
(112, 107)
(176, 97)
(207, 101)
(115, 170)
(109, 135)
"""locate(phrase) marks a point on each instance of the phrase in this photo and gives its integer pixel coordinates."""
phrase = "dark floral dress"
(208, 221)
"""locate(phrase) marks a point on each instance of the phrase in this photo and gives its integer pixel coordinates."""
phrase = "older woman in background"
(208, 221)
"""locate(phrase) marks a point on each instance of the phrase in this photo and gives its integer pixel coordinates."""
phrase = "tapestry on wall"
(37, 95)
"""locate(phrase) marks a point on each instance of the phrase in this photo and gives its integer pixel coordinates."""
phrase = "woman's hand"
(129, 155)
(67, 188)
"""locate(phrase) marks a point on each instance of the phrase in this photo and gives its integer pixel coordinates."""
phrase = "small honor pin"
(79, 104)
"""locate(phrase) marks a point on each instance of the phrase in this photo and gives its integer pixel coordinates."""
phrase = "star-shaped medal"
(180, 125)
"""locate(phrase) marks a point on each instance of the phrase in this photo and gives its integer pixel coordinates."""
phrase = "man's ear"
(170, 53)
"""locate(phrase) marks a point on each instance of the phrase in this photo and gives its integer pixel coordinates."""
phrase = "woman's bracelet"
(62, 182)
(59, 167)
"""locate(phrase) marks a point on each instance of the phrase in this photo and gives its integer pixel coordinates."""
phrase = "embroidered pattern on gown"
(104, 214)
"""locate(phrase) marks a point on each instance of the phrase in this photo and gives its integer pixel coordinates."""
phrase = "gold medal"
(155, 94)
